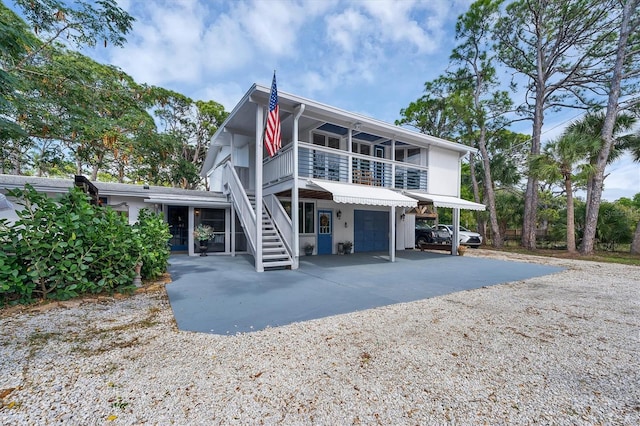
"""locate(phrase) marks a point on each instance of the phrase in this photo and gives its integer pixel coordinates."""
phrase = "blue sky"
(371, 57)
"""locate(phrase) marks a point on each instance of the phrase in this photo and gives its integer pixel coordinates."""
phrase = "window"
(326, 165)
(306, 215)
(325, 140)
(408, 155)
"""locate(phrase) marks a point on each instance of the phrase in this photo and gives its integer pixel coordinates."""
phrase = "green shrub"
(65, 247)
(152, 243)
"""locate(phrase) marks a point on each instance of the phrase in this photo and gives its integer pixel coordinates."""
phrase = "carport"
(225, 295)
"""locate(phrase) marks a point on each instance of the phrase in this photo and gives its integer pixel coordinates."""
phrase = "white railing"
(242, 204)
(280, 166)
(330, 164)
(281, 220)
(320, 162)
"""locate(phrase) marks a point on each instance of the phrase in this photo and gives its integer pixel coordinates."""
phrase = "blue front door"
(325, 226)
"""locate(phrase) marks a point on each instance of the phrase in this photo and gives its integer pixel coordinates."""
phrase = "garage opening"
(371, 231)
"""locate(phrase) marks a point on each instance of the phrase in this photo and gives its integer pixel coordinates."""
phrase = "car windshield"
(422, 223)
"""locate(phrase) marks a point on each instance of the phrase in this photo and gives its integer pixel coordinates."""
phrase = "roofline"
(389, 128)
(204, 169)
(62, 185)
(392, 128)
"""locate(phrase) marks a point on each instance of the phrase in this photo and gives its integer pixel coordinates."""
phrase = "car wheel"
(421, 240)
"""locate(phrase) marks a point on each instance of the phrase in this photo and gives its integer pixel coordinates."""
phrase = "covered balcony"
(319, 162)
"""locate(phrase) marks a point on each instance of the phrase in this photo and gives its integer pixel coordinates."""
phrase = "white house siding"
(444, 172)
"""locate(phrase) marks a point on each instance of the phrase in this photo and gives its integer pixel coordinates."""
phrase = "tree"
(478, 78)
(558, 47)
(557, 163)
(434, 112)
(79, 23)
(633, 145)
(191, 125)
(635, 244)
(14, 45)
(624, 69)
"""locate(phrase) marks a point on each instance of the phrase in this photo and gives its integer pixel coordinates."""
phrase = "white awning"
(446, 201)
(365, 194)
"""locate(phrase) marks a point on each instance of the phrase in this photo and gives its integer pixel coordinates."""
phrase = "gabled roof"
(242, 121)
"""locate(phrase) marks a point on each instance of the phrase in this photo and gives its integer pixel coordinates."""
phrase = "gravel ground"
(558, 349)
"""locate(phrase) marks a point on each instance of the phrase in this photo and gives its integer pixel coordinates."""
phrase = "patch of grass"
(625, 258)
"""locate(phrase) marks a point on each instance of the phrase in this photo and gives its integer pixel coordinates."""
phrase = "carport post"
(392, 232)
(455, 238)
(258, 190)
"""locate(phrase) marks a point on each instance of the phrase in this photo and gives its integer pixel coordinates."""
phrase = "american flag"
(272, 138)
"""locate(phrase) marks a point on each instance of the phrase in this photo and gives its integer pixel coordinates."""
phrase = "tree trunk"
(594, 198)
(474, 184)
(531, 194)
(571, 221)
(635, 244)
(496, 237)
(94, 172)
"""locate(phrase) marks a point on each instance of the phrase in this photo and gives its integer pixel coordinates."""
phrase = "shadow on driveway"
(225, 295)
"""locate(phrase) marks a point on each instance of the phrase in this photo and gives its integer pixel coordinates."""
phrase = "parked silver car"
(467, 237)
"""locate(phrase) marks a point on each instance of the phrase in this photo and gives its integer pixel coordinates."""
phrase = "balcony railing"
(330, 164)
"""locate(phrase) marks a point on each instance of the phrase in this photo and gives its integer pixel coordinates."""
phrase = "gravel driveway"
(557, 349)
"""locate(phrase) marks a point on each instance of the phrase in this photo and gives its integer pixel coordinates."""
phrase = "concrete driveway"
(224, 295)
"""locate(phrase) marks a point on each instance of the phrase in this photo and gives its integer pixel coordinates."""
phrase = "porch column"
(232, 218)
(190, 227)
(455, 239)
(392, 232)
(350, 158)
(393, 165)
(259, 135)
(295, 197)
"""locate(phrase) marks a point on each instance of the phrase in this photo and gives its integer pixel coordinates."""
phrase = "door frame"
(325, 231)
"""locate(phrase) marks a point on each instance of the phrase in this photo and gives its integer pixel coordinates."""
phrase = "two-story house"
(339, 176)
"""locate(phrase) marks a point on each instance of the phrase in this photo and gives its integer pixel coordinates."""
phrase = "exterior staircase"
(274, 252)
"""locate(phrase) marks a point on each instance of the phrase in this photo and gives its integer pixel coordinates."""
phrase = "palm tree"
(590, 127)
(588, 132)
(632, 144)
(557, 162)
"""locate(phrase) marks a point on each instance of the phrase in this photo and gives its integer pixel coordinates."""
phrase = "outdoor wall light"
(339, 214)
(402, 216)
(345, 224)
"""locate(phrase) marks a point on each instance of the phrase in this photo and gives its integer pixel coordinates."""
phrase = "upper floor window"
(408, 155)
(326, 140)
(360, 148)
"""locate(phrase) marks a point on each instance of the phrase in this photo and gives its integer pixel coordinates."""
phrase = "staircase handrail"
(281, 221)
(242, 204)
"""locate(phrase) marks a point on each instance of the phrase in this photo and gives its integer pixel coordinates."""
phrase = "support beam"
(455, 239)
(392, 233)
(259, 136)
(295, 196)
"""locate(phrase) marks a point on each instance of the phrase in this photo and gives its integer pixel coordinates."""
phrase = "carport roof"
(446, 201)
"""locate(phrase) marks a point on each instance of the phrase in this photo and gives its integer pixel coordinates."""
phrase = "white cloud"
(346, 28)
(226, 94)
(164, 45)
(623, 179)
